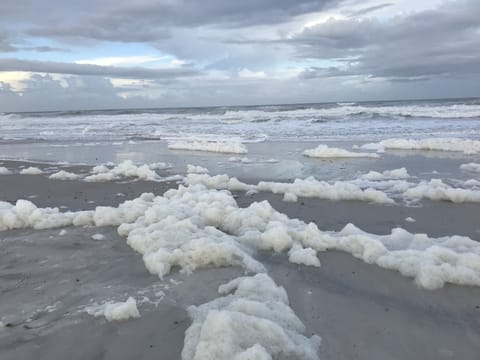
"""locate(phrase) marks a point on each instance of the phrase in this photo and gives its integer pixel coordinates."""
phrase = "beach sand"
(361, 311)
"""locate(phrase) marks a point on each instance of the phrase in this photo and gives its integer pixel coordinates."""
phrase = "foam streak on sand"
(310, 187)
(210, 146)
(254, 322)
(193, 227)
(339, 190)
(374, 187)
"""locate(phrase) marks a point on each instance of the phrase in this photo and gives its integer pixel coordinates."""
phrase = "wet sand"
(361, 311)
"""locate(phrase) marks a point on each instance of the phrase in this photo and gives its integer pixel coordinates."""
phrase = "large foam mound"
(115, 311)
(466, 146)
(324, 151)
(186, 228)
(194, 227)
(254, 322)
(210, 146)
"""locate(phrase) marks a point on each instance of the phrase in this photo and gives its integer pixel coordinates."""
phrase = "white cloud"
(15, 79)
(122, 60)
(249, 74)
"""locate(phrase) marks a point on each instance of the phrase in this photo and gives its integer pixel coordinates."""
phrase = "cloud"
(237, 52)
(142, 20)
(44, 92)
(249, 74)
(368, 9)
(5, 45)
(438, 42)
(52, 67)
(121, 60)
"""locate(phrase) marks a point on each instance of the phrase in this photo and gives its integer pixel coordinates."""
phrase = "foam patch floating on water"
(209, 146)
(324, 151)
(467, 146)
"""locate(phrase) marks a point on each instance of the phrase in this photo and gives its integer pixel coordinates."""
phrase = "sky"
(102, 54)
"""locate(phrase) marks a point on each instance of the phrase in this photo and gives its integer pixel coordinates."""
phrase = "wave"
(435, 110)
(251, 124)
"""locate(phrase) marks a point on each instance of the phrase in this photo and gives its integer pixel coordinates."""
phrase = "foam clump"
(126, 169)
(24, 214)
(219, 182)
(31, 171)
(310, 187)
(324, 151)
(196, 169)
(185, 228)
(473, 167)
(115, 311)
(467, 146)
(4, 171)
(436, 189)
(432, 262)
(396, 174)
(64, 175)
(209, 146)
(299, 255)
(255, 321)
(98, 237)
(339, 190)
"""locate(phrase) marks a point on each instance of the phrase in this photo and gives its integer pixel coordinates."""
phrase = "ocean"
(249, 124)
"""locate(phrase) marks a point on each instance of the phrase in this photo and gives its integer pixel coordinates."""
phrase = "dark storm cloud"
(147, 21)
(53, 67)
(439, 42)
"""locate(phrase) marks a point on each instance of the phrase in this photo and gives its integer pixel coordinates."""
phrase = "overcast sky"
(97, 54)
